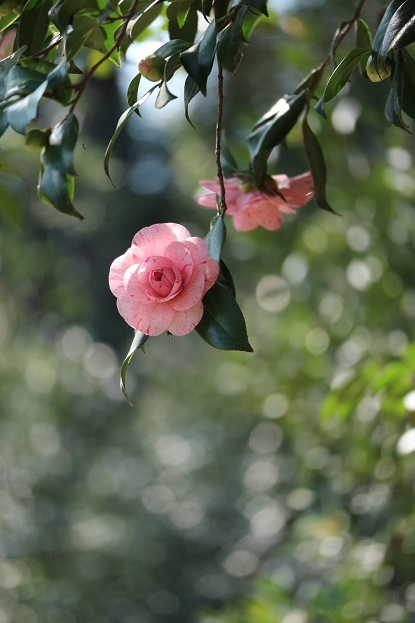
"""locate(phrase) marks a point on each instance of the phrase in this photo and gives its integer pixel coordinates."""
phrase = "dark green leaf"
(171, 47)
(164, 96)
(394, 102)
(138, 342)
(259, 166)
(230, 43)
(56, 190)
(225, 279)
(146, 19)
(62, 141)
(6, 65)
(274, 126)
(215, 238)
(198, 59)
(134, 24)
(408, 101)
(223, 325)
(132, 92)
(229, 165)
(22, 112)
(363, 41)
(259, 5)
(33, 25)
(178, 11)
(7, 20)
(4, 123)
(317, 163)
(188, 29)
(251, 21)
(206, 7)
(171, 66)
(83, 26)
(397, 28)
(22, 81)
(340, 77)
(120, 126)
(62, 12)
(190, 90)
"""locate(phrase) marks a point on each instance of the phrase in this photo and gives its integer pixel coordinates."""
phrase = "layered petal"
(117, 271)
(191, 294)
(183, 322)
(153, 240)
(152, 319)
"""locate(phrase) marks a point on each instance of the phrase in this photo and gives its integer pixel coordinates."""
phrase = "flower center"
(165, 281)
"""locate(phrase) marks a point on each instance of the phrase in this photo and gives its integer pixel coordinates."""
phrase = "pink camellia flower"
(161, 280)
(7, 43)
(253, 208)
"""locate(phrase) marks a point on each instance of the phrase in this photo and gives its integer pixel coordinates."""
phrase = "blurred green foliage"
(269, 487)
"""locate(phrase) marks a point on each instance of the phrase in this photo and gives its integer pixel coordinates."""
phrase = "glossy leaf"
(122, 121)
(134, 25)
(408, 100)
(59, 153)
(56, 189)
(223, 325)
(178, 11)
(189, 29)
(63, 11)
(22, 112)
(33, 25)
(164, 96)
(317, 164)
(251, 21)
(132, 92)
(84, 25)
(397, 28)
(190, 91)
(225, 278)
(138, 342)
(146, 20)
(172, 47)
(7, 20)
(198, 59)
(274, 126)
(6, 65)
(230, 42)
(393, 106)
(340, 77)
(215, 238)
(259, 5)
(363, 41)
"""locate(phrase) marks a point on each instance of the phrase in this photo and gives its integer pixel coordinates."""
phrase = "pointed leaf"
(56, 189)
(59, 153)
(408, 101)
(198, 59)
(171, 47)
(393, 106)
(223, 325)
(397, 28)
(230, 42)
(132, 92)
(340, 77)
(215, 238)
(22, 112)
(33, 25)
(317, 166)
(138, 342)
(134, 24)
(164, 96)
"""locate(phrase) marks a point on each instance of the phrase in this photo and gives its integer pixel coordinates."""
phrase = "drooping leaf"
(230, 42)
(6, 65)
(259, 5)
(102, 39)
(190, 90)
(63, 11)
(172, 47)
(33, 25)
(120, 126)
(183, 20)
(56, 189)
(165, 96)
(134, 24)
(138, 342)
(251, 21)
(393, 108)
(132, 92)
(317, 164)
(22, 81)
(340, 77)
(223, 325)
(7, 20)
(146, 19)
(274, 126)
(408, 100)
(363, 41)
(22, 112)
(59, 154)
(397, 28)
(225, 279)
(198, 59)
(215, 238)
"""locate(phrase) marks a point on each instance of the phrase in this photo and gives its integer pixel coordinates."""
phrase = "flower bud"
(378, 73)
(152, 67)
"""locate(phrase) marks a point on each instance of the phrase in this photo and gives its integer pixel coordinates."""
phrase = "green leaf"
(83, 26)
(251, 21)
(138, 342)
(178, 11)
(363, 41)
(223, 325)
(146, 19)
(394, 102)
(190, 90)
(10, 207)
(7, 20)
(225, 278)
(164, 96)
(62, 141)
(317, 164)
(172, 47)
(132, 91)
(230, 43)
(22, 112)
(186, 30)
(4, 123)
(215, 238)
(259, 5)
(408, 100)
(120, 126)
(62, 12)
(56, 189)
(274, 126)
(22, 81)
(33, 25)
(6, 65)
(397, 28)
(229, 165)
(340, 77)
(134, 24)
(198, 59)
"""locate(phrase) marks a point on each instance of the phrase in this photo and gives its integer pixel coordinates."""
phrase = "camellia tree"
(169, 280)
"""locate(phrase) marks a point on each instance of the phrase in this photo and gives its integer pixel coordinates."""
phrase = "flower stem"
(223, 206)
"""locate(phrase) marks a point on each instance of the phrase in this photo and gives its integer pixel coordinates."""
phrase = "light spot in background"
(317, 341)
(173, 450)
(300, 499)
(10, 576)
(399, 181)
(100, 532)
(163, 602)
(268, 521)
(275, 406)
(359, 275)
(331, 307)
(186, 515)
(295, 616)
(358, 238)
(241, 563)
(345, 115)
(44, 439)
(211, 586)
(399, 158)
(315, 239)
(392, 613)
(409, 401)
(158, 499)
(295, 268)
(408, 303)
(232, 379)
(265, 438)
(397, 342)
(261, 475)
(331, 546)
(74, 342)
(100, 361)
(273, 293)
(406, 442)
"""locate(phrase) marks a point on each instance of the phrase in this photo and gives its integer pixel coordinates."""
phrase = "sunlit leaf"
(230, 42)
(215, 238)
(138, 342)
(165, 96)
(317, 164)
(397, 28)
(33, 25)
(22, 112)
(198, 59)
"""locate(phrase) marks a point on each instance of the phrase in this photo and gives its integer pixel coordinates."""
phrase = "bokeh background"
(269, 487)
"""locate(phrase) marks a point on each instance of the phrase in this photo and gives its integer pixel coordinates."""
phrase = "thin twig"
(223, 206)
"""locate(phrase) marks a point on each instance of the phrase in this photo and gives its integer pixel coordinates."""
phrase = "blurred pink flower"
(7, 43)
(161, 280)
(251, 208)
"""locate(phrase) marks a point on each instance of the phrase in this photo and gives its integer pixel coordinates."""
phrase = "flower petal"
(183, 322)
(116, 277)
(299, 191)
(152, 319)
(181, 257)
(211, 272)
(153, 240)
(191, 294)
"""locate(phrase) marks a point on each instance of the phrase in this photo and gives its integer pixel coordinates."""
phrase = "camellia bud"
(378, 73)
(152, 67)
